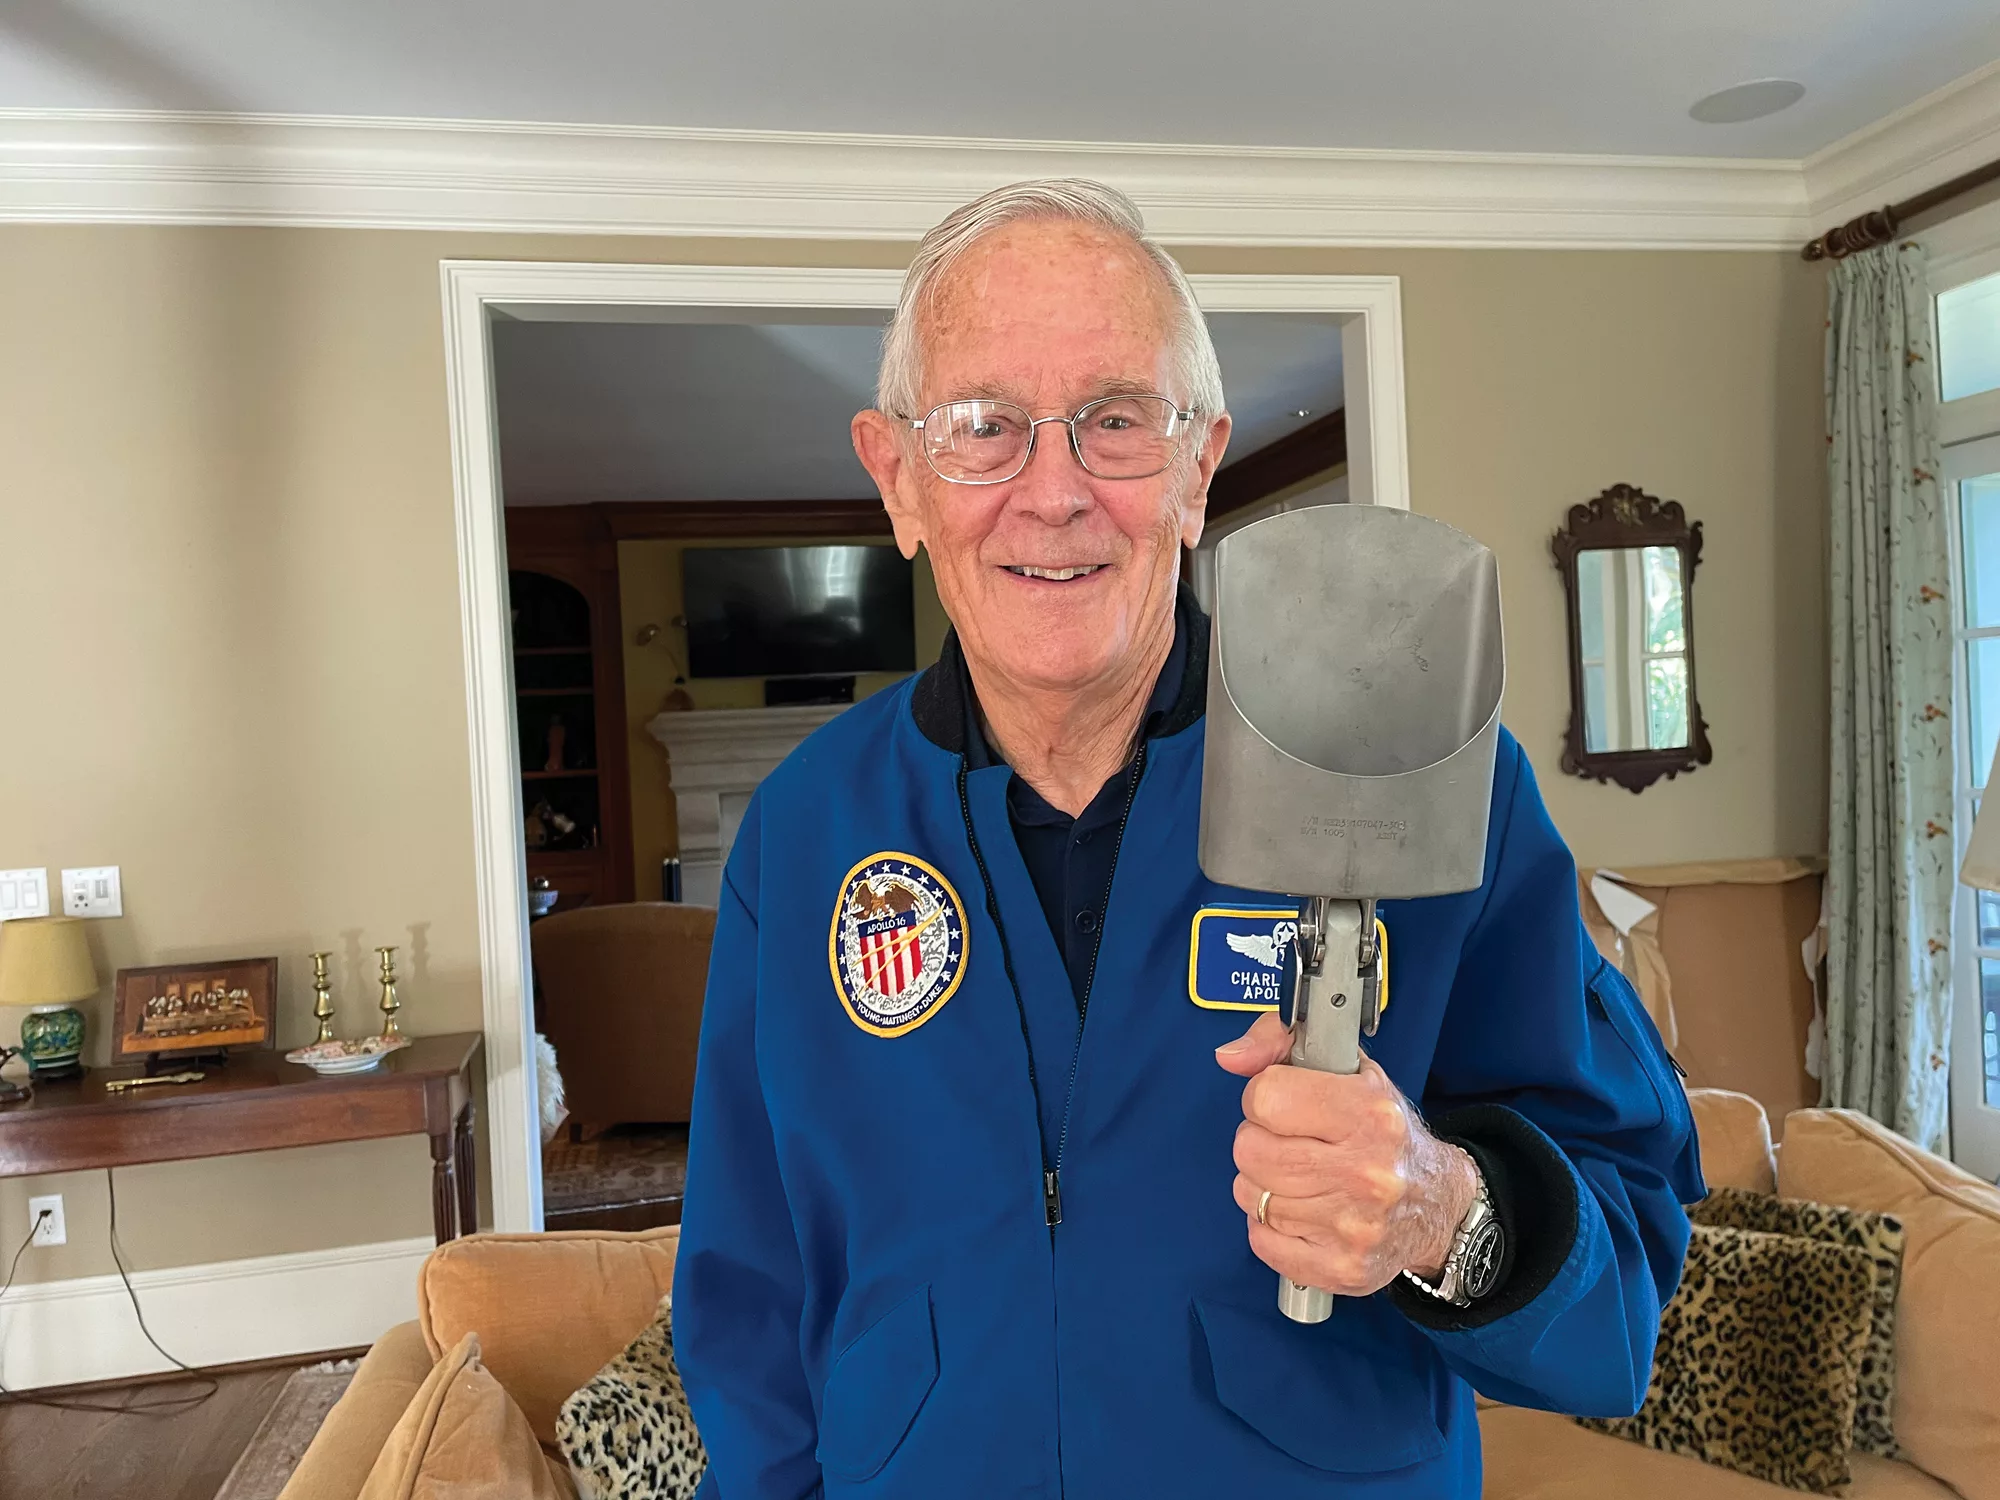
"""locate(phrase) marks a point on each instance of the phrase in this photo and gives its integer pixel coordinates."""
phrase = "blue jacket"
(871, 1299)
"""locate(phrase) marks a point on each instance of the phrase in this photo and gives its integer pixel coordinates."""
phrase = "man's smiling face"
(1055, 579)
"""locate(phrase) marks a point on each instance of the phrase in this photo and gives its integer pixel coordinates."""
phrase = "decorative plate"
(357, 1056)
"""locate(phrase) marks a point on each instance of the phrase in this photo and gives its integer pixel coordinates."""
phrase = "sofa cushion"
(1759, 1358)
(628, 1433)
(551, 1310)
(1735, 1137)
(1881, 1236)
(336, 1464)
(1536, 1455)
(1947, 1353)
(461, 1438)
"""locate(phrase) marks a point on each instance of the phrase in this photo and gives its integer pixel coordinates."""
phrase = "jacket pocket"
(1611, 993)
(1310, 1392)
(877, 1386)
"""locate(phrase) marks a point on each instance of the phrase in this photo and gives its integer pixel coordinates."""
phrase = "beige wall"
(1537, 379)
(227, 561)
(649, 593)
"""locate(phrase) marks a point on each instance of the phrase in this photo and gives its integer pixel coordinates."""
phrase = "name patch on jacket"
(1240, 957)
(897, 945)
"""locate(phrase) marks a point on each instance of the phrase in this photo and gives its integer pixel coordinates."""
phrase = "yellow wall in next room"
(649, 593)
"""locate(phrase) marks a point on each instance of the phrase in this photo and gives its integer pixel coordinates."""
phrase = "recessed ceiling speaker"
(1748, 101)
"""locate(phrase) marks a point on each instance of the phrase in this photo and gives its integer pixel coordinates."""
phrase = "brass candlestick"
(390, 1005)
(322, 998)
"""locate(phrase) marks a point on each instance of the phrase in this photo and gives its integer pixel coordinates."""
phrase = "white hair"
(1073, 200)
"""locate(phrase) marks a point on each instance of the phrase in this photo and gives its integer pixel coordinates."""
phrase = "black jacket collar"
(944, 691)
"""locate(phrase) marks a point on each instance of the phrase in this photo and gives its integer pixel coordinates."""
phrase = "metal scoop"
(1354, 681)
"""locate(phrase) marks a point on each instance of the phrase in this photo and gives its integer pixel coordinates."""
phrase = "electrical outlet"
(23, 893)
(93, 892)
(47, 1217)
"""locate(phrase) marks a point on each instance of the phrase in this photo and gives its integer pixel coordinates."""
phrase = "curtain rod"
(1879, 226)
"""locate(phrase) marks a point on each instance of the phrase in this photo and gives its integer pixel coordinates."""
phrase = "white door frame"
(1368, 307)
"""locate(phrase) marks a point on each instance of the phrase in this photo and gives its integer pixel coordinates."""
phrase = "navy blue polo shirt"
(1070, 859)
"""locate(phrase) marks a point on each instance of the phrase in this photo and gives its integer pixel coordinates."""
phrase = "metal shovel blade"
(1355, 675)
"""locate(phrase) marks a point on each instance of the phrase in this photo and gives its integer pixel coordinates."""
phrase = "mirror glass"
(1631, 606)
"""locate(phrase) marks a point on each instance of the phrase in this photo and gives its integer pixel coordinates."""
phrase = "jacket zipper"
(1089, 984)
(1051, 1189)
(1051, 1170)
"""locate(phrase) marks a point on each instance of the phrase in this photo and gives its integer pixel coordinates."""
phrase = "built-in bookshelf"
(568, 708)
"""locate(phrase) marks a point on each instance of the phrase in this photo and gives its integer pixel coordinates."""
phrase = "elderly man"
(979, 1203)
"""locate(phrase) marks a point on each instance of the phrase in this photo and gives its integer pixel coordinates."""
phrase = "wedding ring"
(1263, 1208)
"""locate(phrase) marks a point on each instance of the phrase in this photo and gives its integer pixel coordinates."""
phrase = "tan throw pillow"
(1882, 1238)
(628, 1434)
(461, 1438)
(1759, 1358)
(1948, 1318)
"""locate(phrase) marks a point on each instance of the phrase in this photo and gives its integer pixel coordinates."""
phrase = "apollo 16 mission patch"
(897, 945)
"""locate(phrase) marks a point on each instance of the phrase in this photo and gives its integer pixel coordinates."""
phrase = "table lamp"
(44, 965)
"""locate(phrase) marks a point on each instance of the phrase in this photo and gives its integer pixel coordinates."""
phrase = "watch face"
(1482, 1259)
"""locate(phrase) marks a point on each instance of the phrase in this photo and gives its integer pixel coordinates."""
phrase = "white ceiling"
(1533, 75)
(733, 411)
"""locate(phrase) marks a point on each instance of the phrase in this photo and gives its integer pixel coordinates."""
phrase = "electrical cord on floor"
(167, 1405)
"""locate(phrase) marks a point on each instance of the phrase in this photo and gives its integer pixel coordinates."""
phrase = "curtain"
(1890, 852)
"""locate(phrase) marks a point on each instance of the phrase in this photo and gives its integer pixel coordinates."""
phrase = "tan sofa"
(551, 1309)
(1947, 1412)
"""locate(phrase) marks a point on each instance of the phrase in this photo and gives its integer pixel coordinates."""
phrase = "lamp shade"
(45, 961)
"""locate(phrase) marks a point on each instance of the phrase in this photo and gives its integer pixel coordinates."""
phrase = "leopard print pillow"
(1878, 1234)
(1759, 1358)
(628, 1434)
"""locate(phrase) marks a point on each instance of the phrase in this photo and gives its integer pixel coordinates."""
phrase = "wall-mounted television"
(798, 611)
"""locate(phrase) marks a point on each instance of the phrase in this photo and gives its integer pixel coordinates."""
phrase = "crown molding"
(80, 167)
(1941, 135)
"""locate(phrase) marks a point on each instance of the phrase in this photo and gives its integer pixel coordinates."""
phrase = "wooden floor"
(48, 1454)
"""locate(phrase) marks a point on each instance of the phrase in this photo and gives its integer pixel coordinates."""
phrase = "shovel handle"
(1326, 1021)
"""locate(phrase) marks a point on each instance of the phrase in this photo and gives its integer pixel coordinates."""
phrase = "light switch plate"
(23, 893)
(93, 892)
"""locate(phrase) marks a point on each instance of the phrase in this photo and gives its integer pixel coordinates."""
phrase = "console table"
(259, 1102)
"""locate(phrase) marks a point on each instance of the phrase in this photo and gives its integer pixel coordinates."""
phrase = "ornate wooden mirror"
(1627, 560)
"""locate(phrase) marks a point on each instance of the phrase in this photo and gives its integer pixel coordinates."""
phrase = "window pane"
(1666, 702)
(1979, 517)
(1989, 919)
(1989, 1027)
(1969, 338)
(1983, 690)
(1594, 736)
(1590, 604)
(1663, 599)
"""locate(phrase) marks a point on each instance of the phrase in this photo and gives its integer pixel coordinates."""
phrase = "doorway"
(1367, 311)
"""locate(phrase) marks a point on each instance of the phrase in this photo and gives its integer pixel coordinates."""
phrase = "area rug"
(286, 1430)
(628, 1164)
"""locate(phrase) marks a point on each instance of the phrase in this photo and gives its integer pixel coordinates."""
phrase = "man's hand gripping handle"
(1335, 993)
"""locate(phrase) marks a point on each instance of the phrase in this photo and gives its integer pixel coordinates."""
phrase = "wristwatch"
(1477, 1250)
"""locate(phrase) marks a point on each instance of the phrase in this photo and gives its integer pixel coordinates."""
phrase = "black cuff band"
(1533, 1189)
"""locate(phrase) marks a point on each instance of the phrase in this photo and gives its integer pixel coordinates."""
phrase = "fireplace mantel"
(717, 757)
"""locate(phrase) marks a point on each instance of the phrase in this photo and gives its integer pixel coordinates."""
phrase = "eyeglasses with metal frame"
(1113, 437)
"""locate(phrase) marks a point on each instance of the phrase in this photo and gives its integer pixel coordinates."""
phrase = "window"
(1969, 338)
(1968, 348)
